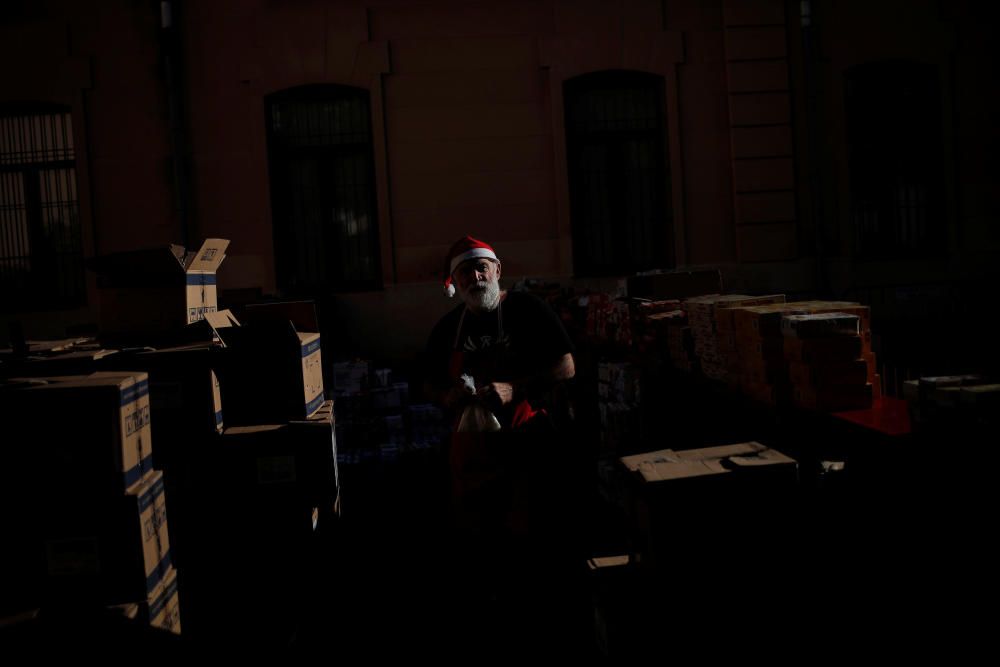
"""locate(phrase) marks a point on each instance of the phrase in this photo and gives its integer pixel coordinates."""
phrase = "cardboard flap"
(221, 319)
(209, 256)
(217, 324)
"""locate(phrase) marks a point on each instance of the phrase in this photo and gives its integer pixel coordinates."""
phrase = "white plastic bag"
(476, 418)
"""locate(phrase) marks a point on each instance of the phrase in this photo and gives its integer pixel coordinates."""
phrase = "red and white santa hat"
(464, 249)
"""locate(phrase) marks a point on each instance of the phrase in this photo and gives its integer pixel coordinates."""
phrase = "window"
(895, 157)
(41, 252)
(323, 190)
(620, 201)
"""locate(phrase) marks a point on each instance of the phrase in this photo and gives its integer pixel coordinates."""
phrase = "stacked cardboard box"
(952, 402)
(842, 379)
(269, 372)
(161, 609)
(609, 321)
(715, 348)
(725, 328)
(692, 507)
(763, 352)
(85, 511)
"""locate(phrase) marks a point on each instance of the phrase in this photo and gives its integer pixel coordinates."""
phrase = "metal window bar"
(41, 255)
(322, 165)
(895, 152)
(618, 173)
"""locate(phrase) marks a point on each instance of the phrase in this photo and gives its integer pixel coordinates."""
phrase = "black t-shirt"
(521, 338)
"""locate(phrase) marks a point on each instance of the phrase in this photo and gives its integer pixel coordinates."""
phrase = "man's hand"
(496, 394)
(459, 393)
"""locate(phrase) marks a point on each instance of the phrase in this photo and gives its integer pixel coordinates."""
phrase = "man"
(504, 351)
(512, 487)
(511, 344)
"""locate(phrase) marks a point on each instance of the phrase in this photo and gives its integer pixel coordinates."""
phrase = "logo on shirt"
(479, 343)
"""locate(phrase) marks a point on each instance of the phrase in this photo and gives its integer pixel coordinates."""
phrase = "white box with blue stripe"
(158, 290)
(269, 372)
(89, 432)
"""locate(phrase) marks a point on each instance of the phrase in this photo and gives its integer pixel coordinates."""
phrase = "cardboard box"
(268, 372)
(89, 430)
(184, 396)
(157, 290)
(766, 320)
(109, 550)
(820, 325)
(668, 465)
(295, 461)
(693, 507)
(161, 609)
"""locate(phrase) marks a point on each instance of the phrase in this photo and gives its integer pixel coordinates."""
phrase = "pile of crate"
(377, 421)
(244, 461)
(712, 329)
(953, 404)
(85, 511)
(808, 365)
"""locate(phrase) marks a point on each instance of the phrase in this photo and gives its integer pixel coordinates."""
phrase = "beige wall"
(468, 127)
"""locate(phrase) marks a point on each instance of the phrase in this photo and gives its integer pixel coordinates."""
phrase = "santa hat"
(464, 249)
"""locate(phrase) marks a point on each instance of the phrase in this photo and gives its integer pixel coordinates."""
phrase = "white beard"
(482, 300)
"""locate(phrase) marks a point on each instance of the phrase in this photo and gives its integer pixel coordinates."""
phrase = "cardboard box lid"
(667, 464)
(208, 258)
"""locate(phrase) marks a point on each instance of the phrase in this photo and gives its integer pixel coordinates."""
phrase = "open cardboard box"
(157, 290)
(268, 372)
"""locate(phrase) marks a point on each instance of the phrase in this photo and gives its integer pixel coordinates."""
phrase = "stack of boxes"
(828, 367)
(763, 352)
(245, 486)
(608, 321)
(700, 313)
(713, 330)
(953, 404)
(87, 520)
(694, 507)
(618, 391)
(376, 422)
(725, 327)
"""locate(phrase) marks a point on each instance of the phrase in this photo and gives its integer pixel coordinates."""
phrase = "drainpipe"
(810, 40)
(170, 46)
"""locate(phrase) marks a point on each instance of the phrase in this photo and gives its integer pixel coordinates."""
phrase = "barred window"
(41, 250)
(619, 182)
(895, 157)
(323, 190)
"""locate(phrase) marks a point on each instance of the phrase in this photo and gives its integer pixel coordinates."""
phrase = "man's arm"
(505, 392)
(448, 396)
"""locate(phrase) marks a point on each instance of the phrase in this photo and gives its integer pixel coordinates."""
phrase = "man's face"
(478, 283)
